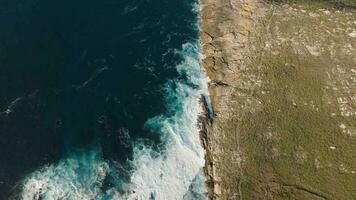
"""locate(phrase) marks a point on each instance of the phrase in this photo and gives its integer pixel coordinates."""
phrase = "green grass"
(338, 4)
(285, 140)
(298, 128)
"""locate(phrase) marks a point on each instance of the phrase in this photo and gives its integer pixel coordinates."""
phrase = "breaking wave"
(169, 174)
(173, 172)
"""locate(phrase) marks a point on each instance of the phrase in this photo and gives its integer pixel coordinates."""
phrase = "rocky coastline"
(272, 64)
(226, 27)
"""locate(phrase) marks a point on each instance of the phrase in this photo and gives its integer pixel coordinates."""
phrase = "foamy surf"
(175, 173)
(155, 176)
(78, 177)
(170, 175)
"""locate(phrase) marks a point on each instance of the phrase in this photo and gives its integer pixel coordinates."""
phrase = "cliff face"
(283, 90)
(226, 29)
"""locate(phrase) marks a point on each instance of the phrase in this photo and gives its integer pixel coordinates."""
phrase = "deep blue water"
(85, 76)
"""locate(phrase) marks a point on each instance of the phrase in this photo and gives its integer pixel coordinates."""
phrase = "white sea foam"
(167, 176)
(78, 177)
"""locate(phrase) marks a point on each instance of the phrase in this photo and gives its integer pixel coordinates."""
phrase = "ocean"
(100, 100)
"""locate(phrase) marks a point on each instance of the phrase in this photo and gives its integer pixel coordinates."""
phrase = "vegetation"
(296, 128)
(339, 4)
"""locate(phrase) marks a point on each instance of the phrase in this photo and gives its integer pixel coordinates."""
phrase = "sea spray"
(161, 176)
(175, 172)
(170, 175)
(77, 177)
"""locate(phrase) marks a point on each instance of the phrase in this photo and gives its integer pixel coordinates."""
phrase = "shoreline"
(225, 28)
(271, 67)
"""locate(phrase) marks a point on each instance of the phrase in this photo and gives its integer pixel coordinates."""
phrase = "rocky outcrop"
(226, 28)
(283, 94)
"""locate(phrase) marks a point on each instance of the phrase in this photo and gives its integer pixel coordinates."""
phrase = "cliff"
(283, 88)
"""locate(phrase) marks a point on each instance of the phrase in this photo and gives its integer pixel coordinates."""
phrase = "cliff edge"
(283, 91)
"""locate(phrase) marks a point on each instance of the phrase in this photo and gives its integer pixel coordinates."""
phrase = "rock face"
(283, 91)
(226, 28)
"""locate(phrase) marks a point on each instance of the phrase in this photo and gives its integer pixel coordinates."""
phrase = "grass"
(287, 139)
(338, 4)
(302, 133)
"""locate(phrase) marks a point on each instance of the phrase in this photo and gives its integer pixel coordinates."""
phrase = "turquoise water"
(100, 99)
